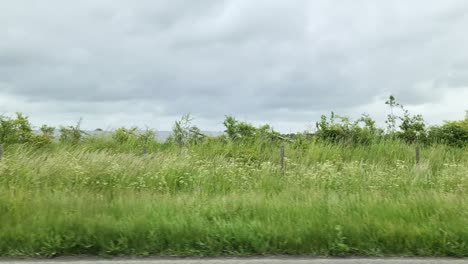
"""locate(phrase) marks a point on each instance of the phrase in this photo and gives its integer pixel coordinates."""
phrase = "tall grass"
(218, 198)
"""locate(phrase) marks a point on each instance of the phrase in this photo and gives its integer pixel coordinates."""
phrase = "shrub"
(412, 128)
(454, 133)
(15, 130)
(123, 135)
(237, 130)
(132, 136)
(183, 132)
(19, 130)
(340, 129)
(46, 137)
(72, 134)
(149, 136)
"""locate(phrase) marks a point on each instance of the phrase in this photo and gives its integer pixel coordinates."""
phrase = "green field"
(221, 198)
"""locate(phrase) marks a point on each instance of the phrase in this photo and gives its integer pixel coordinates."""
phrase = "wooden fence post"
(417, 148)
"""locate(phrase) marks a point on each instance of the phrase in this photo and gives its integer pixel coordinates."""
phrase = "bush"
(19, 130)
(454, 133)
(72, 134)
(123, 135)
(131, 136)
(183, 132)
(236, 131)
(46, 137)
(340, 129)
(412, 127)
(15, 130)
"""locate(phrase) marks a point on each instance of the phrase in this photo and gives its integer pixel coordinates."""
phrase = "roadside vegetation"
(349, 188)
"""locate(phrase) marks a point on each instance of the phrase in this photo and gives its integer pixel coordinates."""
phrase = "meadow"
(226, 198)
(351, 188)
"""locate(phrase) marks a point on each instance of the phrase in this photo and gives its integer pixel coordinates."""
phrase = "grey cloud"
(240, 57)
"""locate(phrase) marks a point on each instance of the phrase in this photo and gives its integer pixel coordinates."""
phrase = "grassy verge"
(216, 199)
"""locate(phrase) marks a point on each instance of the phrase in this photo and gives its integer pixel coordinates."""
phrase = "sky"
(284, 62)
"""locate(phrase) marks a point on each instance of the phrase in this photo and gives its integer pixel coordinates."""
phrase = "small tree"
(411, 128)
(123, 135)
(236, 130)
(134, 137)
(183, 132)
(454, 133)
(391, 118)
(341, 129)
(46, 137)
(16, 130)
(147, 136)
(72, 134)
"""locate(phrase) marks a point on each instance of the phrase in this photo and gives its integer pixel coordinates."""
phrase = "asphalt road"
(245, 261)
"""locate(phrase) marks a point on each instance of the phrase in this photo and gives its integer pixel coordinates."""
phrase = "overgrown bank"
(205, 202)
(194, 195)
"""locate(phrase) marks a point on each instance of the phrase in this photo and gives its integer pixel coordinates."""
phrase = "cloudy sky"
(285, 62)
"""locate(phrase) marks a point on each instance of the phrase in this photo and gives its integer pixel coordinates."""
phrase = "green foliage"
(226, 195)
(148, 136)
(237, 131)
(132, 136)
(340, 129)
(401, 125)
(123, 135)
(454, 133)
(412, 128)
(19, 130)
(184, 133)
(338, 246)
(72, 134)
(391, 118)
(46, 137)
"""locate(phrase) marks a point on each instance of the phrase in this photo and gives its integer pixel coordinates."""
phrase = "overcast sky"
(284, 62)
